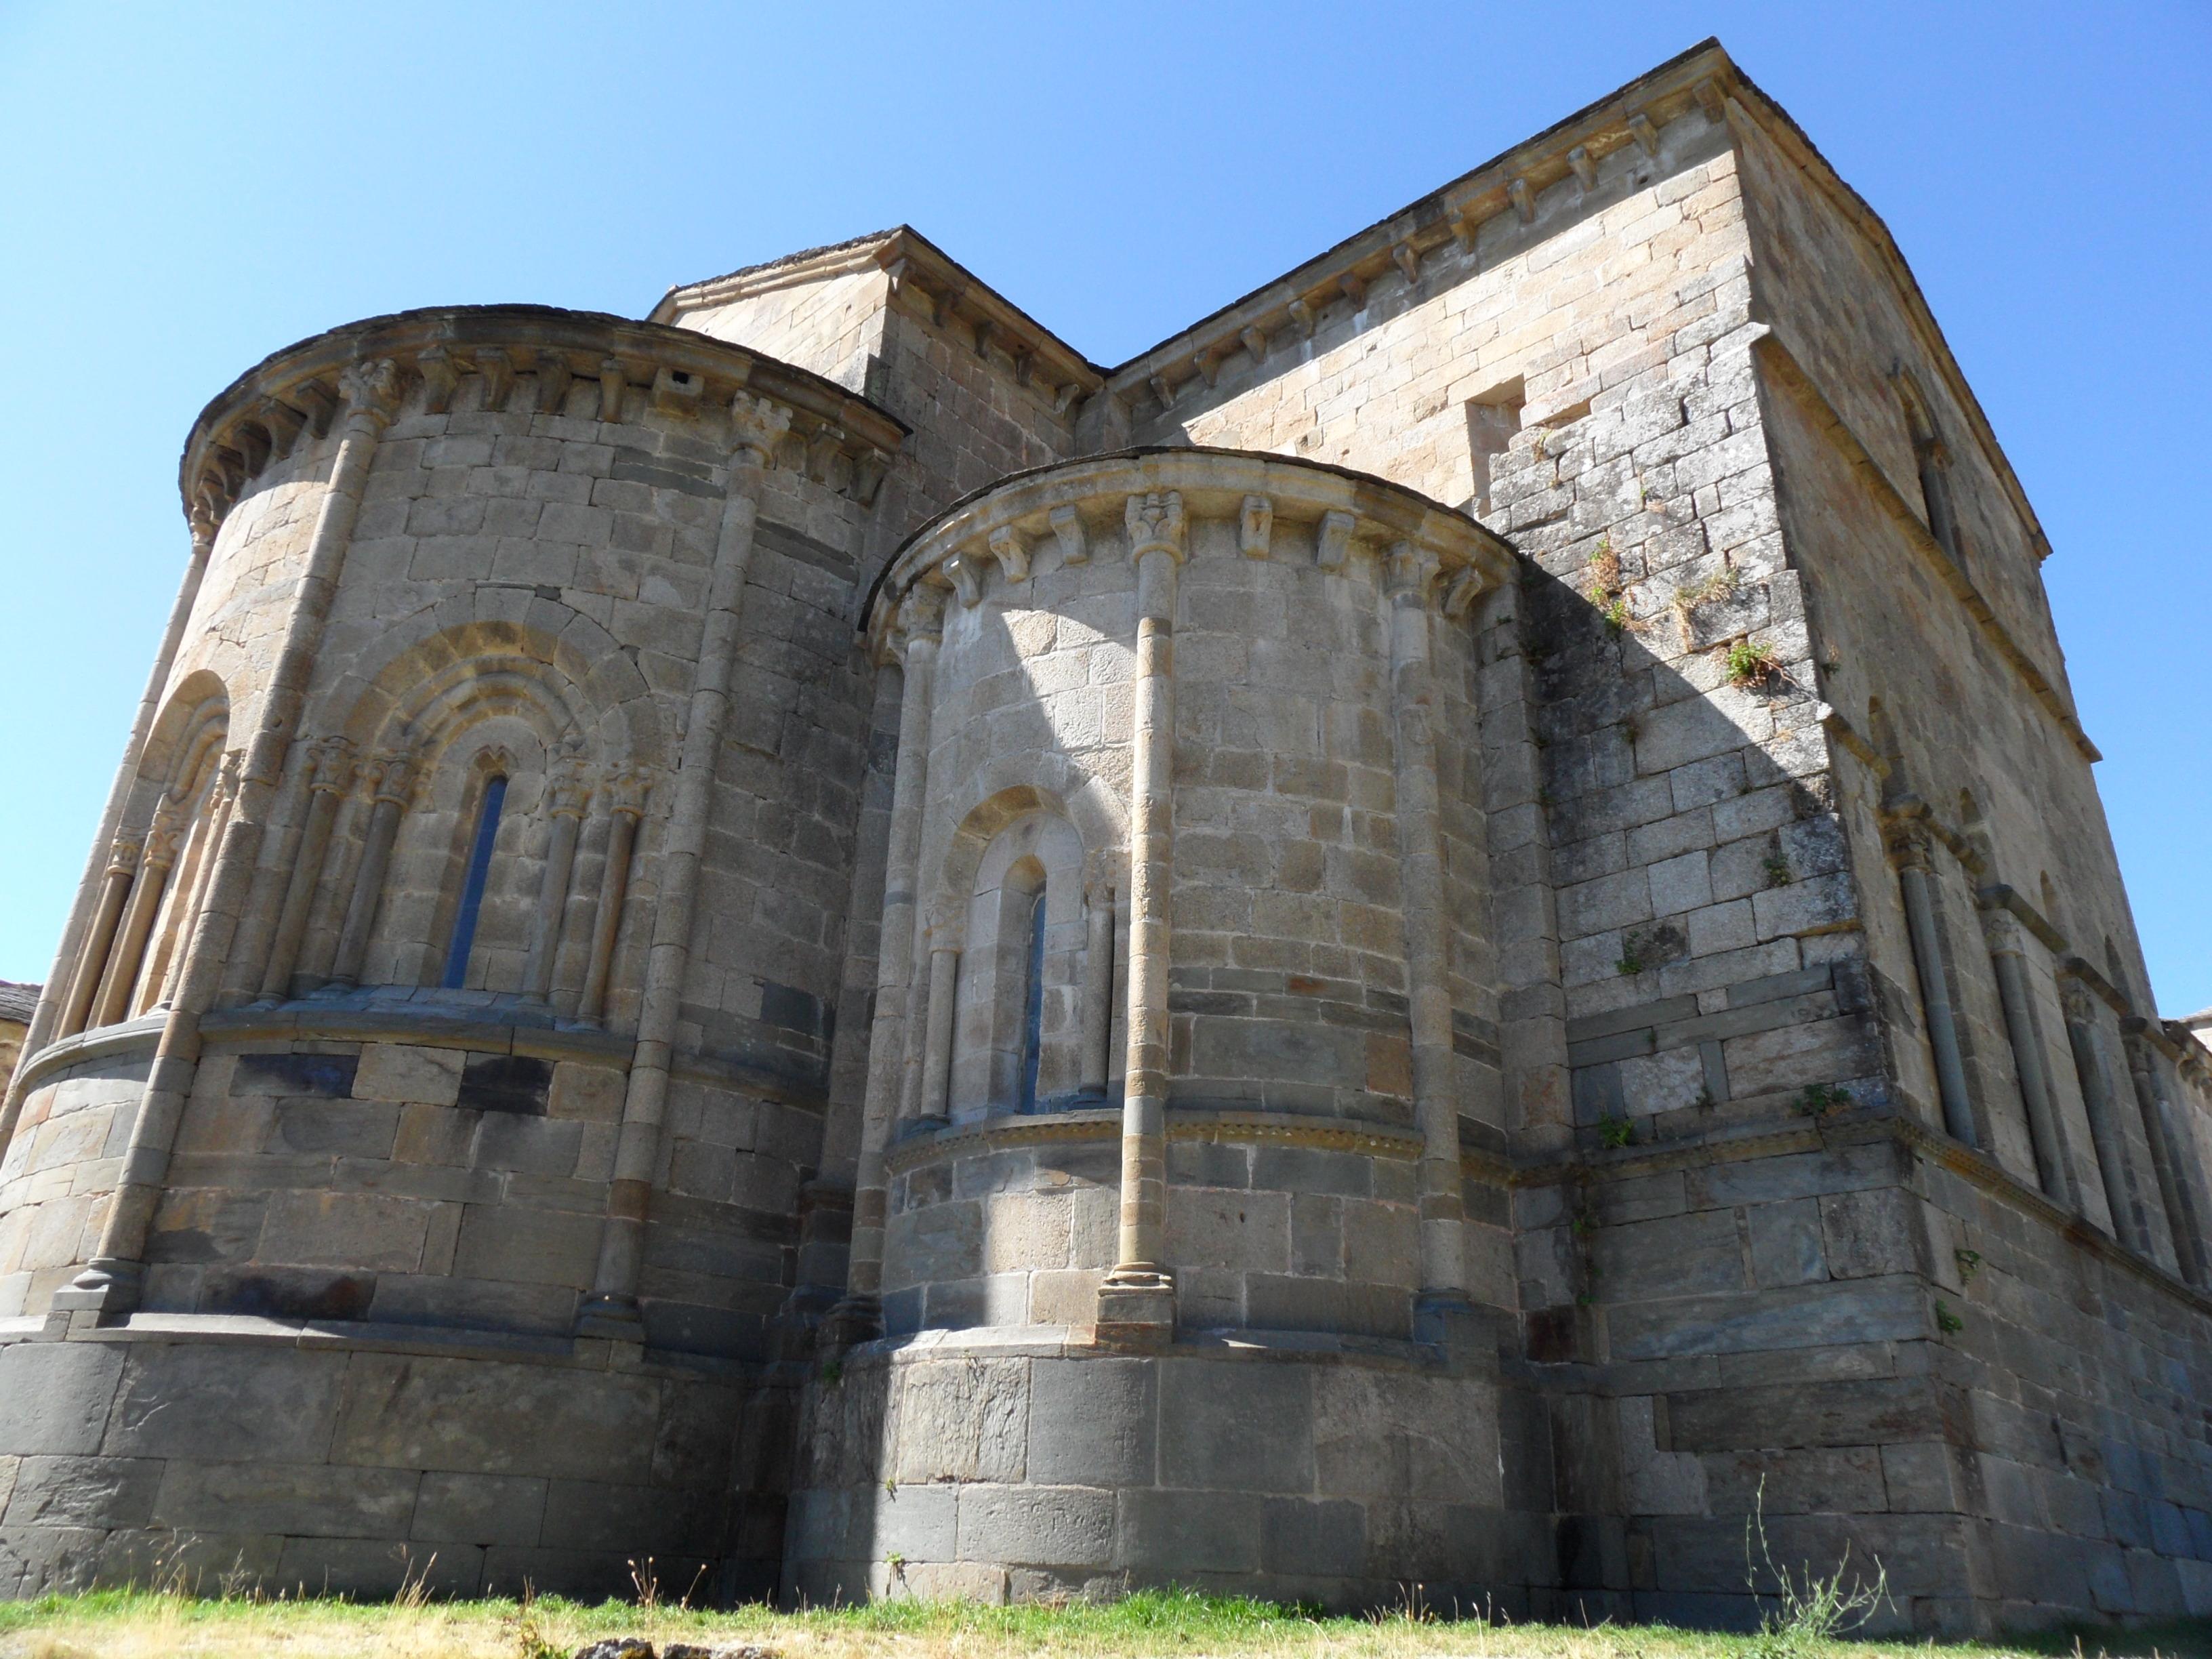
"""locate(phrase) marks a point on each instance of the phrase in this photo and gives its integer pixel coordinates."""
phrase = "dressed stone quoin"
(1445, 933)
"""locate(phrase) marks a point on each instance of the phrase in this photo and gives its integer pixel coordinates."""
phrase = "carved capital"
(371, 391)
(1413, 571)
(2000, 930)
(1255, 526)
(389, 776)
(1098, 893)
(162, 836)
(1156, 525)
(921, 615)
(626, 792)
(123, 855)
(567, 792)
(1067, 528)
(1905, 835)
(331, 768)
(2074, 999)
(1011, 553)
(758, 425)
(1332, 540)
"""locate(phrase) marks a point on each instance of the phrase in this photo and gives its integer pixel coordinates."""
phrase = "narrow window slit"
(472, 887)
(1033, 1004)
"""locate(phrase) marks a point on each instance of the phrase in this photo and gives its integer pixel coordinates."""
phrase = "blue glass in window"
(472, 887)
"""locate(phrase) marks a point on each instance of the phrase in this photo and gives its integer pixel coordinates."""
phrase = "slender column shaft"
(100, 938)
(937, 1049)
(1156, 525)
(922, 619)
(2113, 1165)
(100, 892)
(200, 865)
(1099, 992)
(1421, 874)
(109, 1282)
(612, 1309)
(128, 954)
(614, 888)
(389, 776)
(2169, 1162)
(2046, 1131)
(333, 772)
(567, 808)
(1908, 855)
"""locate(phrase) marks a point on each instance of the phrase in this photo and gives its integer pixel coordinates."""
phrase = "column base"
(853, 1321)
(106, 1286)
(612, 1319)
(1137, 1307)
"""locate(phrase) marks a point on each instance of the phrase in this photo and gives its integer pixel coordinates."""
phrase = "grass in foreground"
(146, 1624)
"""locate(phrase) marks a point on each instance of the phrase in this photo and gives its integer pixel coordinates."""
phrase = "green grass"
(146, 1624)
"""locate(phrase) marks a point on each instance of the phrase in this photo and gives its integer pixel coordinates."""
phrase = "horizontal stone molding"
(630, 370)
(1104, 1123)
(982, 1342)
(1000, 529)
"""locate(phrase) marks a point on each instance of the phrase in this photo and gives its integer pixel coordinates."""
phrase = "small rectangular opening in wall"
(1492, 418)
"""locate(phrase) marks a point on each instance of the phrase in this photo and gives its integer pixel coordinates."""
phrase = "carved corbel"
(1163, 389)
(1013, 556)
(869, 467)
(1255, 341)
(1067, 527)
(230, 468)
(677, 391)
(1024, 365)
(204, 524)
(253, 445)
(555, 377)
(758, 425)
(1303, 318)
(1355, 290)
(435, 365)
(986, 332)
(1523, 199)
(1332, 540)
(960, 571)
(285, 423)
(1064, 394)
(1640, 128)
(944, 306)
(1462, 591)
(822, 451)
(1255, 523)
(317, 403)
(1208, 365)
(1408, 260)
(497, 370)
(1584, 165)
(1711, 100)
(1156, 525)
(614, 385)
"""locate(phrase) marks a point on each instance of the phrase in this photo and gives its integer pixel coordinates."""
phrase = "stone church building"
(1431, 936)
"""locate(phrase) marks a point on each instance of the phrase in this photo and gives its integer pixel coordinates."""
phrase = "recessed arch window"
(1032, 1001)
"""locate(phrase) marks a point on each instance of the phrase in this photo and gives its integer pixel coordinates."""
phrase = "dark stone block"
(328, 1075)
(288, 1293)
(1313, 1539)
(1092, 1422)
(505, 1083)
(1239, 1425)
(795, 1011)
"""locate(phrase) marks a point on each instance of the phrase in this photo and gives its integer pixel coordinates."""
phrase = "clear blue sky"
(189, 189)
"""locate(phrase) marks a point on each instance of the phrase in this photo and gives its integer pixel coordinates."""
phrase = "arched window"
(1033, 1004)
(472, 883)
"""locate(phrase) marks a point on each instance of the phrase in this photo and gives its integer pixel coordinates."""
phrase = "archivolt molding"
(534, 359)
(1120, 505)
